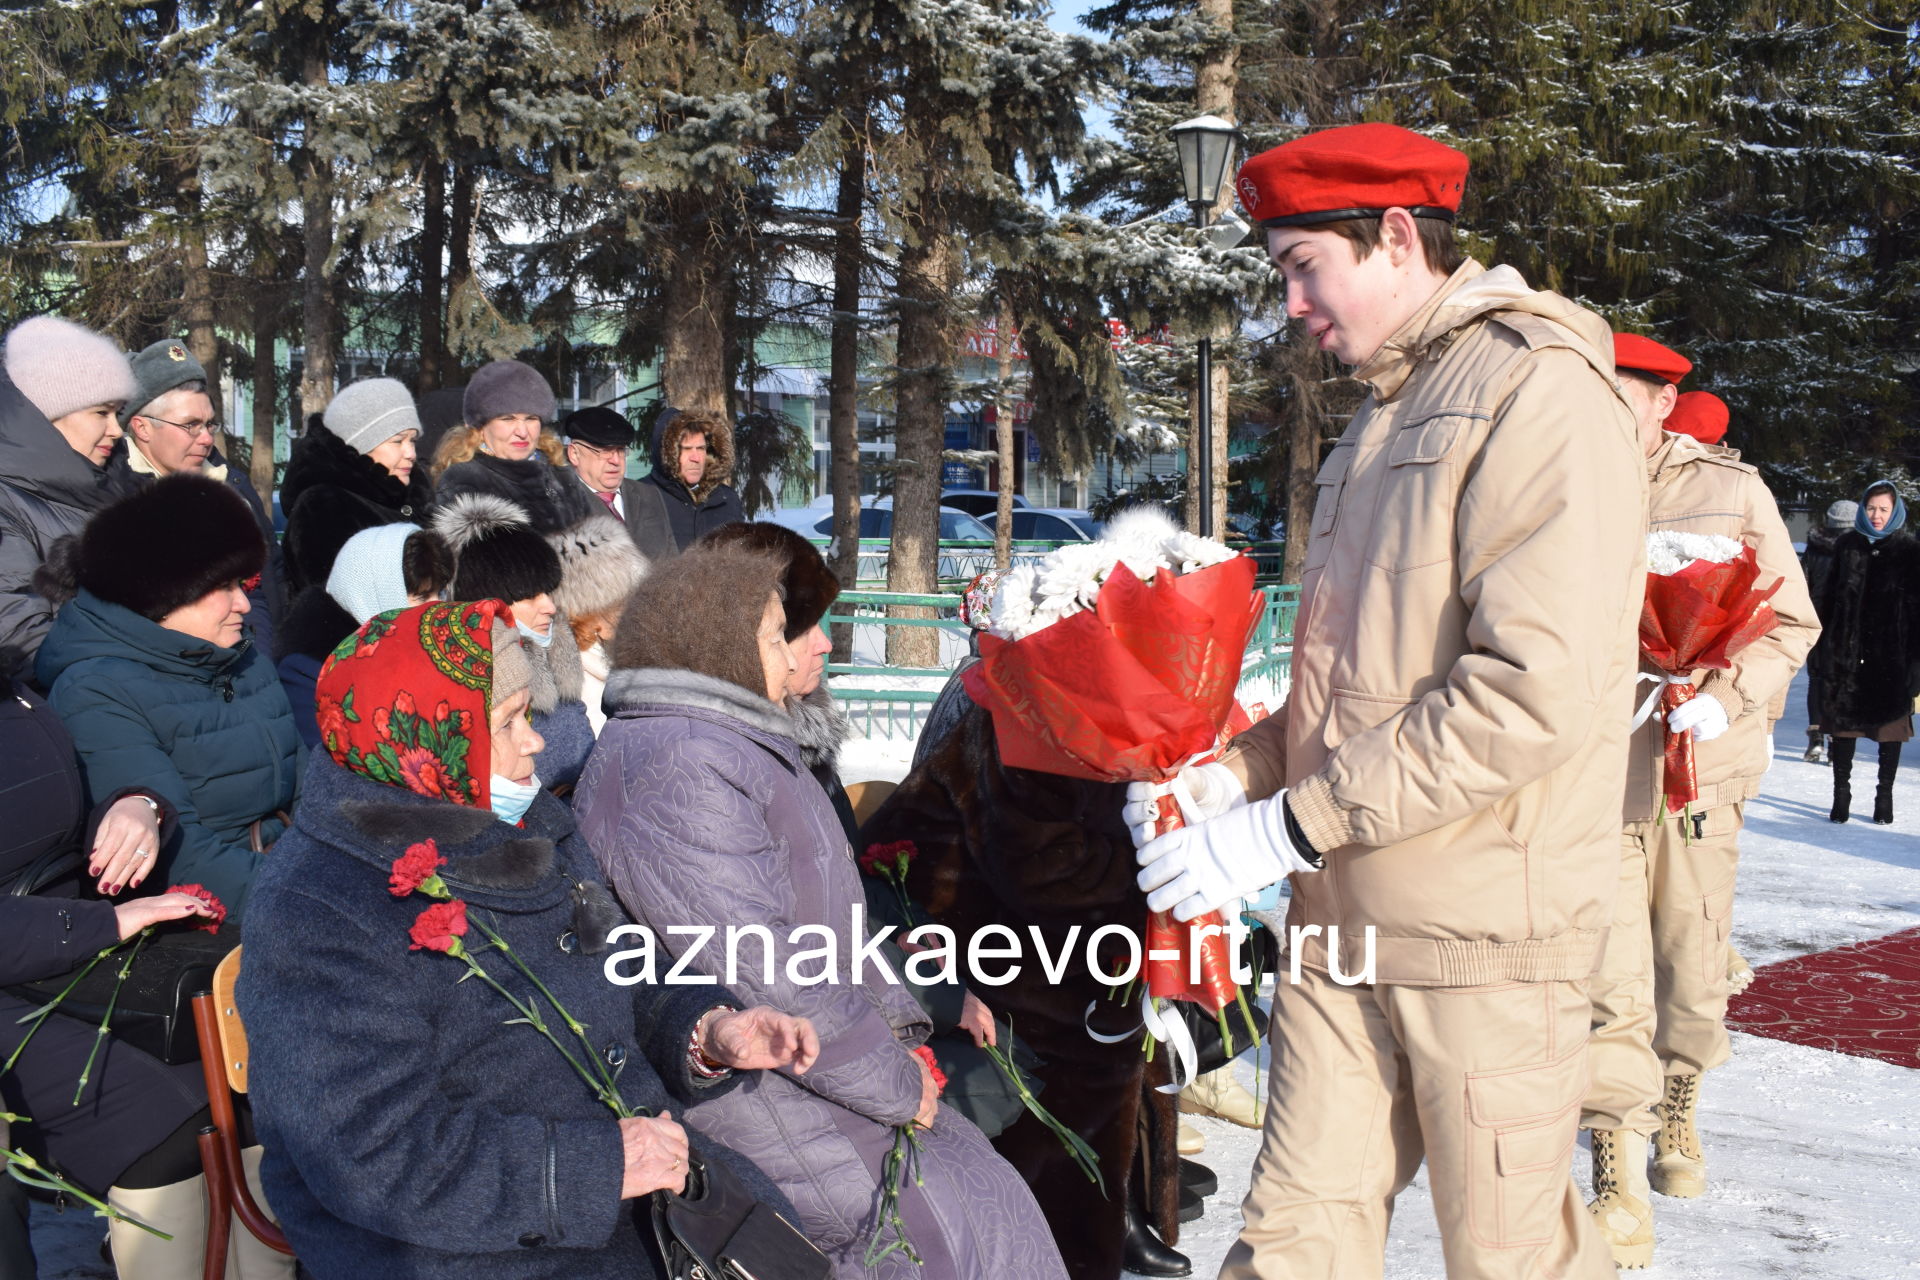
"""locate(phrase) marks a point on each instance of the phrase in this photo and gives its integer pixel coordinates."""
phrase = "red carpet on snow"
(1863, 1000)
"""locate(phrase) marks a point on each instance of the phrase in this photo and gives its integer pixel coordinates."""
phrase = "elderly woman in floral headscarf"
(408, 1131)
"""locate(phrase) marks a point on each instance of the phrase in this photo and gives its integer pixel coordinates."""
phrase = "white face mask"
(509, 799)
(542, 640)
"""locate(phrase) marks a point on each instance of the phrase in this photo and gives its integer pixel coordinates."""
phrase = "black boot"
(1146, 1254)
(1883, 798)
(1197, 1178)
(1842, 779)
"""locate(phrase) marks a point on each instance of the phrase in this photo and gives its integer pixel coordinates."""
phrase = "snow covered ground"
(1813, 1157)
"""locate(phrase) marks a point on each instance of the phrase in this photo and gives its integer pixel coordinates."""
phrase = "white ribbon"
(1170, 1031)
(1173, 1033)
(1183, 794)
(1660, 682)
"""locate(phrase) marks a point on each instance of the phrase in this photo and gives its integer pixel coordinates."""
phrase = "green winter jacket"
(207, 728)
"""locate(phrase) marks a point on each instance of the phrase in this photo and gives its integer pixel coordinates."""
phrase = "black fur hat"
(809, 587)
(167, 545)
(497, 553)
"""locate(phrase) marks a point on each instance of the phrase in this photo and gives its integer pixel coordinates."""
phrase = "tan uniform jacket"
(1456, 734)
(1698, 488)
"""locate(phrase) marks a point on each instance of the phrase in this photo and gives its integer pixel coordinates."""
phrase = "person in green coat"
(149, 665)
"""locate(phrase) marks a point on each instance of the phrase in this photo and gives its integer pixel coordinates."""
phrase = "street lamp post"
(1206, 145)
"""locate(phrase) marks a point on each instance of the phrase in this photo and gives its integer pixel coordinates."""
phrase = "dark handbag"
(256, 838)
(154, 1012)
(718, 1230)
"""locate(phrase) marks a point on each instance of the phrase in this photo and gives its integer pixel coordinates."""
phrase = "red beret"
(1357, 171)
(1700, 414)
(1633, 353)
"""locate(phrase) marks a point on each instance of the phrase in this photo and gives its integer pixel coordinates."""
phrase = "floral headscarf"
(405, 700)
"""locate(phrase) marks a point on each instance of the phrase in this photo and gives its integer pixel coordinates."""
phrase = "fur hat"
(169, 544)
(368, 413)
(1841, 514)
(497, 554)
(599, 567)
(809, 587)
(62, 366)
(700, 611)
(507, 386)
(161, 367)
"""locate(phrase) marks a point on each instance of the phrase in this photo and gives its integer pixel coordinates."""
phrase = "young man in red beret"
(1443, 784)
(1660, 998)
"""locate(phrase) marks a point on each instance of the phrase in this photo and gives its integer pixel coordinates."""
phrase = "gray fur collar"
(630, 687)
(820, 727)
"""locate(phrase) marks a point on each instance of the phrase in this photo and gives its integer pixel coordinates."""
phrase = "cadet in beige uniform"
(1446, 772)
(1660, 997)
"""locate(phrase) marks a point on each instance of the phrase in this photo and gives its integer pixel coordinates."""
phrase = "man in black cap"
(599, 442)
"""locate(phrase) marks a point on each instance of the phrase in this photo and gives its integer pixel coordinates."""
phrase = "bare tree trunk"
(1003, 437)
(1216, 81)
(196, 307)
(266, 390)
(843, 389)
(693, 350)
(1306, 409)
(317, 302)
(928, 265)
(433, 297)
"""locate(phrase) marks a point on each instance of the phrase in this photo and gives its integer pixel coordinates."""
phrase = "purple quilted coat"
(699, 809)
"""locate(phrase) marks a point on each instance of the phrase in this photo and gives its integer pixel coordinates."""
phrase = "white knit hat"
(368, 413)
(61, 366)
(369, 575)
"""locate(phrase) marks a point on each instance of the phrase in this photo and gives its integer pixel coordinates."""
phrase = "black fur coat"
(1020, 848)
(333, 491)
(1868, 658)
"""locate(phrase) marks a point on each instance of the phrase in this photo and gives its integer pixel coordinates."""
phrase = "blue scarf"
(1864, 526)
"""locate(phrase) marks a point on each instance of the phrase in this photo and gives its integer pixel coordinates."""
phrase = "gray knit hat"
(163, 366)
(61, 366)
(504, 387)
(1842, 514)
(368, 413)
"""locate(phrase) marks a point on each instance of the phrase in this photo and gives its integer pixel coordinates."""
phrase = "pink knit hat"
(61, 366)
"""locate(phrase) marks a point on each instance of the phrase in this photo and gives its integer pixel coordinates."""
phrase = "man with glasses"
(171, 427)
(599, 442)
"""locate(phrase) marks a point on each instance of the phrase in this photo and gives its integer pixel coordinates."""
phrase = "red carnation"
(440, 928)
(417, 870)
(214, 905)
(889, 859)
(926, 1055)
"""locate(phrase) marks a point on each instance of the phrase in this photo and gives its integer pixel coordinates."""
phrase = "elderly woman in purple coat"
(700, 810)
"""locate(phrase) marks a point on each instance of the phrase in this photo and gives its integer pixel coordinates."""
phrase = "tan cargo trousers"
(1660, 998)
(1483, 1082)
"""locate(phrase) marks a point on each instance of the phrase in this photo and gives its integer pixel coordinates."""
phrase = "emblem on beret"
(1249, 195)
(176, 352)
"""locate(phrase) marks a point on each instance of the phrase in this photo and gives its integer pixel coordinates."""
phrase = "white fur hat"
(599, 567)
(62, 366)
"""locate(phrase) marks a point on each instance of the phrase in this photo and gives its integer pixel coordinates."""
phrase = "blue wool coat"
(408, 1132)
(205, 727)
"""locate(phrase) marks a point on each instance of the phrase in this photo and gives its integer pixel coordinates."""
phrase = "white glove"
(1211, 790)
(1200, 868)
(1702, 714)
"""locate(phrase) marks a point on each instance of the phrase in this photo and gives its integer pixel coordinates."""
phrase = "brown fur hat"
(700, 611)
(811, 587)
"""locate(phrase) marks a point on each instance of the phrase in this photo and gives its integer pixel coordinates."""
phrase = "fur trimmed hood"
(667, 433)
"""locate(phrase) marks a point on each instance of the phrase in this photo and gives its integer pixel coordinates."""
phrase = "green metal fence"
(962, 561)
(889, 702)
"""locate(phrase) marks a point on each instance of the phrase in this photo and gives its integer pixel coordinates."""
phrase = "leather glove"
(1202, 868)
(1702, 714)
(1211, 790)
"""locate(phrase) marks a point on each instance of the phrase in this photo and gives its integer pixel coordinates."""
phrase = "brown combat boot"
(1620, 1205)
(1679, 1167)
